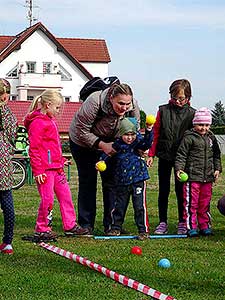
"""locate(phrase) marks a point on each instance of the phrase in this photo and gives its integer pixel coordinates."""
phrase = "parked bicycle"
(21, 159)
(19, 173)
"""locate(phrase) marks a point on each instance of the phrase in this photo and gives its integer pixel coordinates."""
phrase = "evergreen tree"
(218, 114)
(142, 119)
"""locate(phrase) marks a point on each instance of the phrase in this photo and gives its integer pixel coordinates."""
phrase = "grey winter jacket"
(199, 156)
(96, 120)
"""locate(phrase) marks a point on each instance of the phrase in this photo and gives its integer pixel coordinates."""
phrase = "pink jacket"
(45, 149)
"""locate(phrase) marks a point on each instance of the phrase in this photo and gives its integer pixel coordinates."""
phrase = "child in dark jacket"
(172, 120)
(199, 156)
(131, 174)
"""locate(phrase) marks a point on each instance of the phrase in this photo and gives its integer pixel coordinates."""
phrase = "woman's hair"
(48, 96)
(4, 86)
(121, 88)
(181, 84)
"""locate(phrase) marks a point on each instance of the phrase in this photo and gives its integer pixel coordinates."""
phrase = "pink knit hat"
(202, 116)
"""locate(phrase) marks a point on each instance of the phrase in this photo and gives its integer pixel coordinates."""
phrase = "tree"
(142, 118)
(218, 114)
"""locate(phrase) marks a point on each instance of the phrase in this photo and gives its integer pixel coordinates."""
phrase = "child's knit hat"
(128, 125)
(221, 205)
(202, 116)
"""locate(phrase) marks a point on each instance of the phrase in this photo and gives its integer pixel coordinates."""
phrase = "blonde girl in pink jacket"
(47, 164)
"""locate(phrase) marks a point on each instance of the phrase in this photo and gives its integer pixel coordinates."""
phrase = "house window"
(13, 72)
(67, 99)
(30, 98)
(65, 75)
(31, 66)
(47, 66)
(13, 97)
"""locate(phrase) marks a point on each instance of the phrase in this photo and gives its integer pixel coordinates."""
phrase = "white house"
(35, 59)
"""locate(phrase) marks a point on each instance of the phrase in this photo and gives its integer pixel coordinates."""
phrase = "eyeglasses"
(180, 99)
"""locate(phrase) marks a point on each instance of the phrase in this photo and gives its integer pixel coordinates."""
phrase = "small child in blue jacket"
(131, 173)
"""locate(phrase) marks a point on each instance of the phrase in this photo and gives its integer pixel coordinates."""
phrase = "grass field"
(33, 273)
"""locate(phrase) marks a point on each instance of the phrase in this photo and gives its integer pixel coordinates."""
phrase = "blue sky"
(151, 42)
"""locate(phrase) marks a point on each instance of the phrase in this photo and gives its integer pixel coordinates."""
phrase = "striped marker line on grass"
(124, 280)
(160, 236)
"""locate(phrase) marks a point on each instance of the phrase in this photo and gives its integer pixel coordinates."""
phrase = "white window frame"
(31, 66)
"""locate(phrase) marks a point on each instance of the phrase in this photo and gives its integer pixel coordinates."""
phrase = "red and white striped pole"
(126, 281)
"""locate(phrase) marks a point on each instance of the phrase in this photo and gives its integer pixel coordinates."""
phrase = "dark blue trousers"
(6, 201)
(137, 191)
(86, 159)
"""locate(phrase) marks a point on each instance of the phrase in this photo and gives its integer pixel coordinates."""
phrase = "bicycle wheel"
(19, 174)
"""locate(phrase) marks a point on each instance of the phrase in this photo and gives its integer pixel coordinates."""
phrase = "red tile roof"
(86, 50)
(83, 50)
(4, 41)
(20, 109)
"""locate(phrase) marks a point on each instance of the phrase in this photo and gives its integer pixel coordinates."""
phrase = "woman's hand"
(107, 148)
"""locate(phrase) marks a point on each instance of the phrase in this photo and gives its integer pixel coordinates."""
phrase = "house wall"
(97, 69)
(39, 48)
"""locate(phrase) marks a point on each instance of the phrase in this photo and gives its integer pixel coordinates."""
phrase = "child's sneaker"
(181, 228)
(143, 236)
(6, 248)
(113, 232)
(162, 228)
(206, 232)
(193, 233)
(47, 236)
(79, 231)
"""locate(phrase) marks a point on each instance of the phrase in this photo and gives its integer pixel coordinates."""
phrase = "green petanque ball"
(183, 177)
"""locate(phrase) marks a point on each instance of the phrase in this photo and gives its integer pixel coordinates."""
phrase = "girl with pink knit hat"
(199, 156)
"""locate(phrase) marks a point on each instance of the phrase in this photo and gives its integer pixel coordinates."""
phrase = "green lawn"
(197, 271)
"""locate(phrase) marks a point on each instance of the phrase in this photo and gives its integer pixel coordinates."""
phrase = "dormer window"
(31, 66)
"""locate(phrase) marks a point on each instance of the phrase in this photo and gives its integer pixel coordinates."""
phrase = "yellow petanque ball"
(101, 166)
(150, 119)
